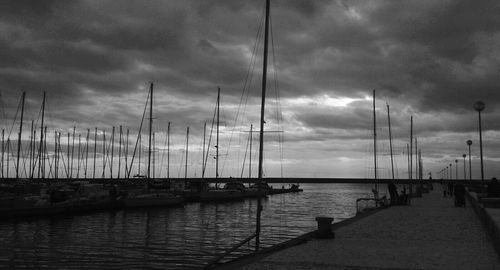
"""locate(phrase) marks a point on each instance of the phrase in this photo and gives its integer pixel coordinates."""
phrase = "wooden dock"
(431, 233)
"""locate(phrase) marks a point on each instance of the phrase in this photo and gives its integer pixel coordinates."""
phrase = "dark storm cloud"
(432, 59)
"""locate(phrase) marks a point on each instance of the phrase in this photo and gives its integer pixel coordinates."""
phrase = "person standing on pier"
(493, 188)
(393, 192)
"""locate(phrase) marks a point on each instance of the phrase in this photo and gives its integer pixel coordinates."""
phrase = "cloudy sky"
(96, 59)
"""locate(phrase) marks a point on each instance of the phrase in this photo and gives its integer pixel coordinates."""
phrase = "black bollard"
(324, 227)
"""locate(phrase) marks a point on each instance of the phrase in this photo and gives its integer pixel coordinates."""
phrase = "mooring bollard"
(324, 227)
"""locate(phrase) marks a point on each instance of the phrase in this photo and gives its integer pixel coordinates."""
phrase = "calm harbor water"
(173, 238)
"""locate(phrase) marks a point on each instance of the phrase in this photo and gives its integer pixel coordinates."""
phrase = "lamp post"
(456, 169)
(479, 106)
(469, 143)
(465, 176)
(451, 171)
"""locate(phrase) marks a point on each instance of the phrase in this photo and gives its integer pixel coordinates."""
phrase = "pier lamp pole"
(456, 169)
(469, 143)
(446, 172)
(451, 171)
(465, 176)
(479, 106)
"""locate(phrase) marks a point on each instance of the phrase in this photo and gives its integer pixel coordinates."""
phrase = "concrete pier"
(431, 233)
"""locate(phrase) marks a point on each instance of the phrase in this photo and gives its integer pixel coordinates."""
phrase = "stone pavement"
(429, 234)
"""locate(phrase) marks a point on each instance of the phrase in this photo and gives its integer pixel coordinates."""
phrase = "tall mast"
(168, 150)
(217, 140)
(55, 155)
(67, 167)
(87, 152)
(112, 152)
(250, 155)
(140, 150)
(375, 141)
(72, 153)
(187, 151)
(19, 135)
(126, 155)
(408, 160)
(262, 110)
(44, 152)
(154, 143)
(150, 127)
(103, 152)
(120, 152)
(3, 148)
(95, 151)
(390, 141)
(203, 158)
(8, 156)
(411, 147)
(78, 159)
(416, 160)
(31, 149)
(41, 136)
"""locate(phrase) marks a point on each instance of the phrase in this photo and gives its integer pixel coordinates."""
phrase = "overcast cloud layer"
(429, 59)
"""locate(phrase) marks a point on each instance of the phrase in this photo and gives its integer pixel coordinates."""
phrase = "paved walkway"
(429, 234)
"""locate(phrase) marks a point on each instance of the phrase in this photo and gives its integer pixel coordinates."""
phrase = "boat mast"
(150, 128)
(126, 156)
(417, 176)
(41, 136)
(67, 167)
(390, 140)
(375, 141)
(19, 136)
(168, 150)
(79, 156)
(154, 143)
(112, 152)
(8, 156)
(120, 152)
(103, 152)
(187, 151)
(204, 145)
(262, 110)
(217, 140)
(87, 152)
(72, 152)
(250, 155)
(95, 151)
(3, 147)
(56, 160)
(411, 148)
(140, 150)
(31, 149)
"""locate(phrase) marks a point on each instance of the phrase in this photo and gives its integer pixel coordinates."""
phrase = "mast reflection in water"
(175, 238)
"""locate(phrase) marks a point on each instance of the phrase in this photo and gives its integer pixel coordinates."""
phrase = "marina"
(180, 237)
(249, 135)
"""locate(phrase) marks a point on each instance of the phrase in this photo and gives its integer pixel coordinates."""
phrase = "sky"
(96, 59)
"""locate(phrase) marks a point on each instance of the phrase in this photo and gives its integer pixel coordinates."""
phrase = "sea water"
(184, 237)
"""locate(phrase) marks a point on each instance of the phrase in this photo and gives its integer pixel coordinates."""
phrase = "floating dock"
(431, 233)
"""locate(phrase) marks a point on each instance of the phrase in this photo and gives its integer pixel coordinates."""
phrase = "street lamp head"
(469, 142)
(479, 106)
(464, 155)
(456, 160)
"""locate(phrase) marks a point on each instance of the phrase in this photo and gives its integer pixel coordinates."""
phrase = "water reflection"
(175, 238)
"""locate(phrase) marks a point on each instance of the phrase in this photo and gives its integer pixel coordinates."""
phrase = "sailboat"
(231, 191)
(375, 188)
(147, 197)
